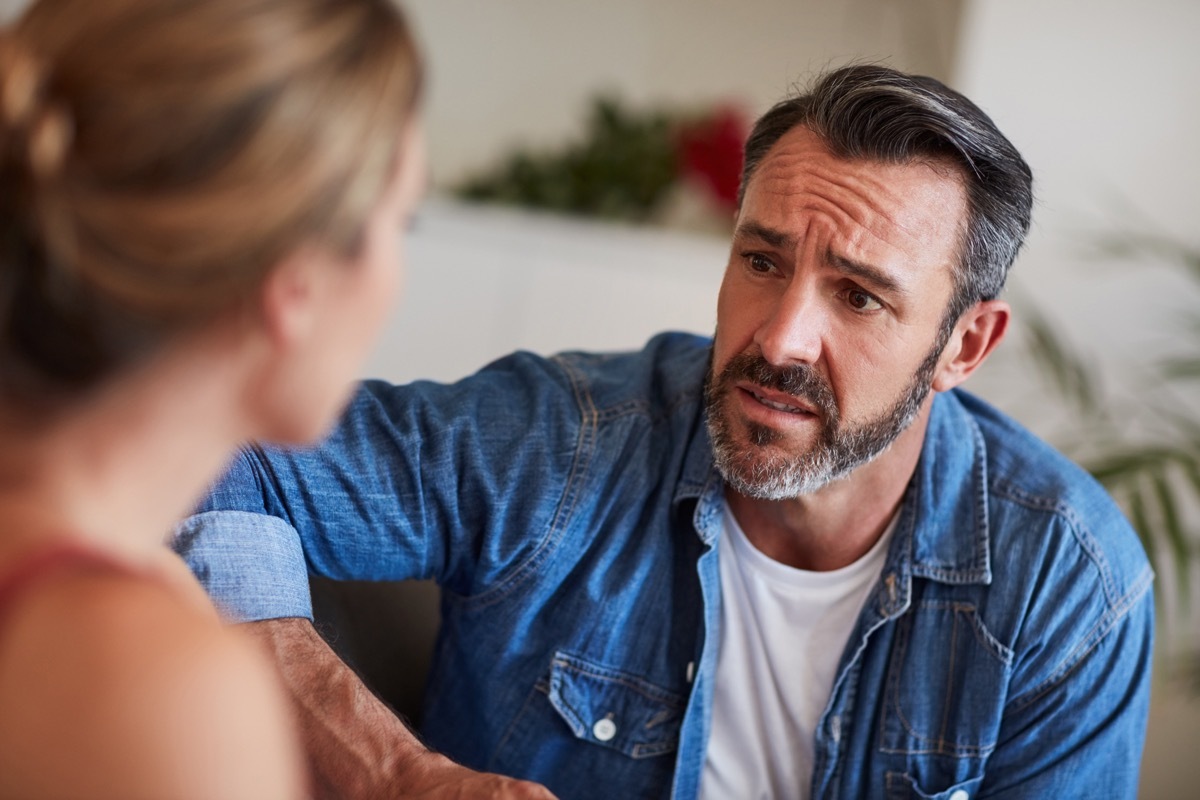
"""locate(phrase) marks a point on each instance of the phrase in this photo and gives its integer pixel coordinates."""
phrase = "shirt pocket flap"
(614, 709)
(902, 786)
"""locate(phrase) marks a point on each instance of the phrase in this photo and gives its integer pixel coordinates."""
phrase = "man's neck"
(838, 524)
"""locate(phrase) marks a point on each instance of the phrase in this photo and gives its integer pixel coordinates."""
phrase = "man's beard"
(747, 466)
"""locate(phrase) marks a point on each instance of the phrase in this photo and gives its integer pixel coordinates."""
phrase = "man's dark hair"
(879, 114)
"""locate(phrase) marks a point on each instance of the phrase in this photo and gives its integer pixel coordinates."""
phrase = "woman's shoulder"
(115, 683)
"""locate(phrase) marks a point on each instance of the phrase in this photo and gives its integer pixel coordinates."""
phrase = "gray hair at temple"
(879, 114)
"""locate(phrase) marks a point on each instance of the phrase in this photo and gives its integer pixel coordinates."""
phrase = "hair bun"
(34, 129)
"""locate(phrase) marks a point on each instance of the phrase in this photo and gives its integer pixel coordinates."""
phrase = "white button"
(604, 729)
(960, 794)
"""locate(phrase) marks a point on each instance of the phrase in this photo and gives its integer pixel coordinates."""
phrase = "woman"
(199, 228)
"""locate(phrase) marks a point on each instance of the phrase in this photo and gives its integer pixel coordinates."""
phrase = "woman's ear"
(975, 336)
(290, 298)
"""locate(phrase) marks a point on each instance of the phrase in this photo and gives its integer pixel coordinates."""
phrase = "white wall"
(483, 281)
(510, 72)
(506, 72)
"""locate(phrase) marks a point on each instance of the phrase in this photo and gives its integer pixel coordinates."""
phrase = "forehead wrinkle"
(863, 205)
(870, 203)
(839, 197)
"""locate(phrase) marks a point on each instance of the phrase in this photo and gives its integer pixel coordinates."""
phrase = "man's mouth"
(778, 403)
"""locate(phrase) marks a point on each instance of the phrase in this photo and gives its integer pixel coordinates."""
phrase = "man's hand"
(357, 747)
(439, 778)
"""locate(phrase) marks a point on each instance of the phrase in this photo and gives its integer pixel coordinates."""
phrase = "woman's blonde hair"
(159, 157)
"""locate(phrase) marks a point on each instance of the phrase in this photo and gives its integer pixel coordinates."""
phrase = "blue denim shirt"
(570, 510)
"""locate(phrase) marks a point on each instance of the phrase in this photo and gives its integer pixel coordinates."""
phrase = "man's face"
(829, 317)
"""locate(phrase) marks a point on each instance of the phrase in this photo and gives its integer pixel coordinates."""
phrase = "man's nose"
(794, 332)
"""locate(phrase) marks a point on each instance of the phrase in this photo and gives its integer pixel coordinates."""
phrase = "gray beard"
(750, 470)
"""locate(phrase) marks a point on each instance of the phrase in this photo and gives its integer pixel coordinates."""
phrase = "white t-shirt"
(783, 631)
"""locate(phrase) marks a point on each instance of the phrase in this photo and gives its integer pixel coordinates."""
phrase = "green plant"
(624, 164)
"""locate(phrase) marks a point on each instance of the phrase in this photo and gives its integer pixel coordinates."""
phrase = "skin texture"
(843, 267)
(161, 700)
(358, 747)
(123, 683)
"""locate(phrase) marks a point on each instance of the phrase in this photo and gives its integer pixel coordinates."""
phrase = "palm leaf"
(1141, 524)
(1182, 368)
(1058, 363)
(1114, 468)
(1172, 528)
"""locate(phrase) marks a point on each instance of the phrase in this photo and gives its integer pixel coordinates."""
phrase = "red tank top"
(45, 562)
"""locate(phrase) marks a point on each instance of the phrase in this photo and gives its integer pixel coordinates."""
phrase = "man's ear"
(975, 336)
(288, 298)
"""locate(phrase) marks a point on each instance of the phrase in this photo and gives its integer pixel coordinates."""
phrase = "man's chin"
(773, 443)
(780, 485)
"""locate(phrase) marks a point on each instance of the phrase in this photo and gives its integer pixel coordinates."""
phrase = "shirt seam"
(1117, 605)
(584, 443)
(1089, 642)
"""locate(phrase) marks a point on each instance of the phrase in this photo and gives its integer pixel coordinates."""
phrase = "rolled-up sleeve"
(251, 565)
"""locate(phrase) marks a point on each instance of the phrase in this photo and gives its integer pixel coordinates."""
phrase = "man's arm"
(357, 747)
(1081, 733)
(402, 488)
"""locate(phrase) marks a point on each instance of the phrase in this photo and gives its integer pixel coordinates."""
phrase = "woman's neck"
(120, 471)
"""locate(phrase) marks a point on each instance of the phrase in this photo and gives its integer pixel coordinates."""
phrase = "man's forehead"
(923, 200)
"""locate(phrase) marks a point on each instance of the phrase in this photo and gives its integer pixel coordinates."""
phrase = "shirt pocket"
(901, 786)
(585, 725)
(614, 709)
(946, 688)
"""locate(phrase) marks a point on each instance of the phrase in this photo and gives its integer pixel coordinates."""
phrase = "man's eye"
(759, 263)
(861, 301)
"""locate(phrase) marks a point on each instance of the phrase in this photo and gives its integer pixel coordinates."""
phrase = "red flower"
(710, 154)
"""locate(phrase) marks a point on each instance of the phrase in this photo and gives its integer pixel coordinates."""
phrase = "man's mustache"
(799, 380)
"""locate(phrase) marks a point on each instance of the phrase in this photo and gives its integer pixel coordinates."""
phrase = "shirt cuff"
(251, 565)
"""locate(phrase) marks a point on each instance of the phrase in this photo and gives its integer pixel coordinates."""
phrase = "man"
(792, 562)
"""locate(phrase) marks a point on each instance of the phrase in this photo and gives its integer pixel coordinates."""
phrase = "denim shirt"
(569, 509)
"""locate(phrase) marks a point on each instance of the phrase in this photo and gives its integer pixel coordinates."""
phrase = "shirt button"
(960, 794)
(606, 729)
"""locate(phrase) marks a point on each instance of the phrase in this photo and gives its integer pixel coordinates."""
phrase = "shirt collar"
(947, 499)
(698, 467)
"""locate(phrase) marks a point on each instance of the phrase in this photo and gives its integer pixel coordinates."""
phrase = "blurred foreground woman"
(201, 206)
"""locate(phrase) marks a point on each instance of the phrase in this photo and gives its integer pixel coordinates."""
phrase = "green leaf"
(1164, 495)
(1116, 467)
(1141, 524)
(1181, 368)
(1062, 367)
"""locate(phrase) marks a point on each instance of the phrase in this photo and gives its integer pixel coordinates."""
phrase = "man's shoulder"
(668, 371)
(1021, 464)
(1038, 497)
(669, 365)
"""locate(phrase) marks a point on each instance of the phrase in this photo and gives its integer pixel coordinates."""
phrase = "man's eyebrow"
(786, 241)
(865, 272)
(771, 236)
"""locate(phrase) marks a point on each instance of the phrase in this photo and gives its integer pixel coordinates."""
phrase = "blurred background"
(615, 120)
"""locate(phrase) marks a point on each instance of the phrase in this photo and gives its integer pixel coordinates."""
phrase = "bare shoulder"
(117, 686)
